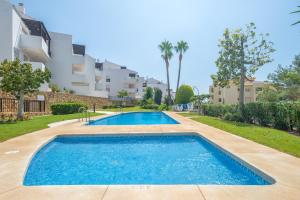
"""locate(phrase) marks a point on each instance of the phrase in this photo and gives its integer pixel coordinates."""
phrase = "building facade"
(230, 93)
(27, 39)
(153, 83)
(113, 78)
(23, 38)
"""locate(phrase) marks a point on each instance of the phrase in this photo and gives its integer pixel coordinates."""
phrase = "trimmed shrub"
(283, 115)
(162, 107)
(150, 106)
(157, 96)
(66, 108)
(184, 94)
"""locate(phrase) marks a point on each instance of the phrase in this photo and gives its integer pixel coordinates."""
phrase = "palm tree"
(181, 48)
(297, 11)
(166, 49)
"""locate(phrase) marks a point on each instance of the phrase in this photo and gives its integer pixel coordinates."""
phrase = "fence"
(11, 105)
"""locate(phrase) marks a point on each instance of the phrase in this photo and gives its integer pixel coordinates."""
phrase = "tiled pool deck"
(16, 153)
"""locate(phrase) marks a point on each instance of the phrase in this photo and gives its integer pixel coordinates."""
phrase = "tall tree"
(181, 48)
(20, 79)
(241, 54)
(297, 11)
(148, 94)
(166, 49)
(157, 96)
(287, 80)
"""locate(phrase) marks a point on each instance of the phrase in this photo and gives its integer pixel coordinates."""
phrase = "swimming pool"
(178, 158)
(135, 118)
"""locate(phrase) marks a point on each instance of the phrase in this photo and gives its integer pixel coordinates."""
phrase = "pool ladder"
(84, 114)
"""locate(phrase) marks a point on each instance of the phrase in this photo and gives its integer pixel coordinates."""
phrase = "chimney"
(20, 7)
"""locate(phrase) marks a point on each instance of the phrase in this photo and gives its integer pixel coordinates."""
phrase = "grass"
(277, 139)
(127, 109)
(8, 131)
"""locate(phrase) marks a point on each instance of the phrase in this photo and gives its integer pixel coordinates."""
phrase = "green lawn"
(8, 131)
(127, 109)
(277, 139)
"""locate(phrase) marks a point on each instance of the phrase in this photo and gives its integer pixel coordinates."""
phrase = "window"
(212, 89)
(238, 89)
(132, 75)
(247, 89)
(107, 80)
(212, 96)
(220, 99)
(99, 66)
(220, 93)
(144, 84)
(123, 67)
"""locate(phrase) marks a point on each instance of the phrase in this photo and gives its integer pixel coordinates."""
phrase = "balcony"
(79, 78)
(78, 59)
(34, 47)
(99, 87)
(98, 72)
(132, 80)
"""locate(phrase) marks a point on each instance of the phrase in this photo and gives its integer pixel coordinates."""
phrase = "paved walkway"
(15, 154)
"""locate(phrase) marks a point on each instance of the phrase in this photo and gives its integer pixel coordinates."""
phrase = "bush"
(66, 108)
(184, 94)
(162, 107)
(54, 88)
(150, 106)
(283, 115)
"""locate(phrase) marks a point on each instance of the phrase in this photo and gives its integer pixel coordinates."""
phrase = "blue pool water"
(136, 118)
(132, 159)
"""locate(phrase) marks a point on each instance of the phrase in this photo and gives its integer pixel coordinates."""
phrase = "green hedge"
(150, 106)
(282, 115)
(66, 108)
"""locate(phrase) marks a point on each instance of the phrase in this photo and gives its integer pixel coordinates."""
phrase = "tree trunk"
(20, 114)
(242, 78)
(168, 82)
(179, 72)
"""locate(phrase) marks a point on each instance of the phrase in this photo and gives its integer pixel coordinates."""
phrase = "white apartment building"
(71, 67)
(230, 94)
(113, 78)
(23, 38)
(28, 39)
(143, 83)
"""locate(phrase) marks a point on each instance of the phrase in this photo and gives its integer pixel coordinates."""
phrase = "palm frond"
(181, 47)
(298, 22)
(297, 11)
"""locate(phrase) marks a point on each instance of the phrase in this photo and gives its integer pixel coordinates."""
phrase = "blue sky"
(128, 32)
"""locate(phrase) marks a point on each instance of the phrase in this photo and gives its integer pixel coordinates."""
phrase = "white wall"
(6, 34)
(119, 79)
(61, 65)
